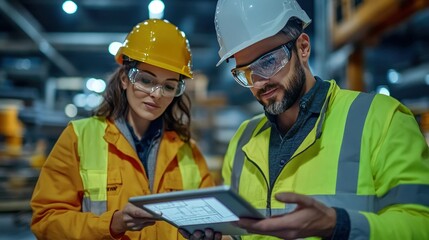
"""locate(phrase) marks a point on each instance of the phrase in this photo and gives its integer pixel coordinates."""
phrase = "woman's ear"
(303, 46)
(124, 81)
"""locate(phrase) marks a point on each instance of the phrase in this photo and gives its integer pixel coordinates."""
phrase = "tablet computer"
(214, 207)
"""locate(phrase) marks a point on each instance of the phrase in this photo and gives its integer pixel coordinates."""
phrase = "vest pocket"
(114, 182)
(172, 182)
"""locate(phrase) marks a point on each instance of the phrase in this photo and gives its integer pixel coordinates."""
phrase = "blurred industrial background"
(54, 65)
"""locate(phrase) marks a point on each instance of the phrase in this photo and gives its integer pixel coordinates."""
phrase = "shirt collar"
(153, 131)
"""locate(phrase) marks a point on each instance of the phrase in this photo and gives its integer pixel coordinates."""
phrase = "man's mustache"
(266, 88)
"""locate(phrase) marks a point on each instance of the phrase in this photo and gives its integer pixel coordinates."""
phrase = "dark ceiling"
(38, 40)
(80, 40)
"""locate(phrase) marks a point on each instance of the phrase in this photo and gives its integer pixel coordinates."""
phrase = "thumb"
(299, 199)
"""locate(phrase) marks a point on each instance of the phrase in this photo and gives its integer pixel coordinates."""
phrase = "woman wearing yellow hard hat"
(137, 143)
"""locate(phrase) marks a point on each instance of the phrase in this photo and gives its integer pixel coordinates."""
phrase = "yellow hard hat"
(159, 43)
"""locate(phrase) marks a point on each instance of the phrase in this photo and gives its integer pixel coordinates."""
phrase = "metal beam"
(79, 41)
(322, 43)
(371, 15)
(31, 27)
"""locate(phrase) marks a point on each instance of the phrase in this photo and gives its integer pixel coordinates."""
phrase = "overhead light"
(70, 110)
(69, 7)
(93, 100)
(96, 85)
(156, 9)
(79, 100)
(393, 76)
(114, 47)
(414, 75)
(383, 90)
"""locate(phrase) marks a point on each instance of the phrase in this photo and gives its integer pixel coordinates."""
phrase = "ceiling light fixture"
(69, 7)
(156, 9)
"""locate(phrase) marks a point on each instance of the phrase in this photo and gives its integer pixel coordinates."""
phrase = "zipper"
(268, 206)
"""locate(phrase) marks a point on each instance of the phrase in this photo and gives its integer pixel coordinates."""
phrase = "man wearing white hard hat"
(321, 161)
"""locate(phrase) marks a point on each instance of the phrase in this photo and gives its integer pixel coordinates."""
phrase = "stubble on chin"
(291, 94)
(276, 107)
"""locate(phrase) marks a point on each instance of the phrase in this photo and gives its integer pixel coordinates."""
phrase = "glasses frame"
(132, 73)
(287, 47)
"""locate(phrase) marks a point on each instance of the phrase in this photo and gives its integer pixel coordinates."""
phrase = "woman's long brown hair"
(176, 117)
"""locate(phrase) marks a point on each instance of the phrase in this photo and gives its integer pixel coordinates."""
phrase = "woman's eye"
(144, 80)
(170, 87)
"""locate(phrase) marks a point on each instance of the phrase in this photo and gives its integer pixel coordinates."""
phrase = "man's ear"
(303, 46)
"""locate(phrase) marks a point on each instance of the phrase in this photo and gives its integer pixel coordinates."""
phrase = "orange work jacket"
(57, 197)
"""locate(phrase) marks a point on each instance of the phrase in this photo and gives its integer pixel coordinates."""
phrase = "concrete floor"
(15, 226)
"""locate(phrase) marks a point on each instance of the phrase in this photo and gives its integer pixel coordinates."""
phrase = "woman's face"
(149, 105)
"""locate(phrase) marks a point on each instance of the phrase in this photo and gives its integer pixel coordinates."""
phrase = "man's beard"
(291, 93)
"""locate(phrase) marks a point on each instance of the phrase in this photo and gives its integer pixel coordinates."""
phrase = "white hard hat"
(241, 23)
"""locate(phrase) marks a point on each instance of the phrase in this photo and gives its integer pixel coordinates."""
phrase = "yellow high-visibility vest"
(94, 159)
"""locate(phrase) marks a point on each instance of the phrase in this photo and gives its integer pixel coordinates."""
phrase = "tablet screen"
(214, 207)
(193, 211)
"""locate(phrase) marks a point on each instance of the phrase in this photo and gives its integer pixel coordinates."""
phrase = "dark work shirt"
(144, 144)
(283, 145)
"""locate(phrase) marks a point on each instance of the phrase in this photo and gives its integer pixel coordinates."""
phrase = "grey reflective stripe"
(401, 194)
(348, 201)
(239, 154)
(289, 207)
(359, 229)
(348, 165)
(86, 204)
(404, 194)
(96, 207)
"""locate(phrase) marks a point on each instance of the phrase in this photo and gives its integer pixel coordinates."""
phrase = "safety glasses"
(147, 83)
(265, 66)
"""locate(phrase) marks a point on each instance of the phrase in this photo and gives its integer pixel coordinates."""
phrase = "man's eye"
(267, 62)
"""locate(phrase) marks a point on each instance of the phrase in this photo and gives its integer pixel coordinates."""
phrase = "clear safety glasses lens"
(148, 84)
(264, 67)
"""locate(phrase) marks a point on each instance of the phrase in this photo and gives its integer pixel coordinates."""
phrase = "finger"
(197, 235)
(218, 236)
(136, 212)
(288, 197)
(265, 225)
(256, 227)
(137, 226)
(208, 234)
(140, 213)
(184, 233)
(149, 223)
(157, 215)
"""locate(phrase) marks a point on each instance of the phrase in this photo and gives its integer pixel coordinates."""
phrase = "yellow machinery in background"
(11, 129)
(19, 164)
